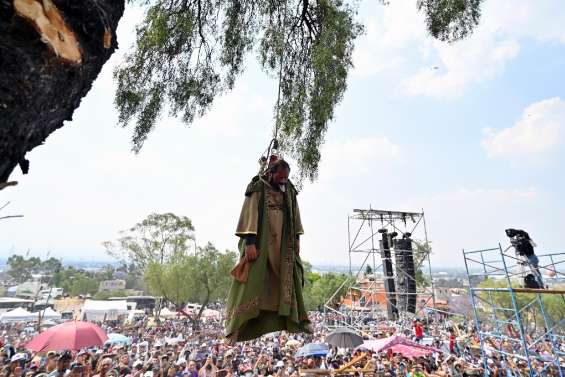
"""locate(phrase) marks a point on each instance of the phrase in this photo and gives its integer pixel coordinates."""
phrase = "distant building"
(10, 303)
(112, 285)
(29, 289)
(146, 303)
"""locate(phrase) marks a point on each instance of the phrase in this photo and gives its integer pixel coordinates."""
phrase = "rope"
(274, 142)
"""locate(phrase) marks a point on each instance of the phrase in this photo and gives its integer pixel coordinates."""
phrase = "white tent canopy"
(166, 313)
(17, 315)
(48, 314)
(94, 310)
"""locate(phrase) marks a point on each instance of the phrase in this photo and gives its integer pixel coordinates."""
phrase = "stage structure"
(393, 280)
(518, 323)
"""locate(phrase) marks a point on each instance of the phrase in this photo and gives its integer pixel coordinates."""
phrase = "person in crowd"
(63, 364)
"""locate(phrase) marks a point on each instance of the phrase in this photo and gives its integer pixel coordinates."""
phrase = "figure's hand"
(250, 253)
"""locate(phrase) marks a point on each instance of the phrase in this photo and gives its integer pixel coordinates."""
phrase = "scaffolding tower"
(364, 227)
(514, 322)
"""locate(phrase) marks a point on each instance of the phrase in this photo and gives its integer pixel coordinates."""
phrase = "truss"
(363, 246)
(512, 321)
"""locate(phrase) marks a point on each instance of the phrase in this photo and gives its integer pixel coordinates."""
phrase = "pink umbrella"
(409, 351)
(398, 344)
(72, 335)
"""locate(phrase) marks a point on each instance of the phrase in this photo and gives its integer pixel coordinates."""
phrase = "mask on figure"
(280, 177)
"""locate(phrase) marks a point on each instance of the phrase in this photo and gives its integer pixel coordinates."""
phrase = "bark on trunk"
(42, 76)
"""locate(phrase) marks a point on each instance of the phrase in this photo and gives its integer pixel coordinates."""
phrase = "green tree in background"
(554, 304)
(21, 268)
(420, 253)
(187, 53)
(83, 284)
(319, 288)
(51, 266)
(201, 278)
(368, 270)
(106, 295)
(155, 239)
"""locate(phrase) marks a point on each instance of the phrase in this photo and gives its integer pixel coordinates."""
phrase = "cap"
(137, 363)
(18, 357)
(181, 361)
(148, 374)
(52, 354)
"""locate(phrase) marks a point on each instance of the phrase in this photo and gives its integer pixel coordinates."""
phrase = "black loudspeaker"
(405, 275)
(390, 289)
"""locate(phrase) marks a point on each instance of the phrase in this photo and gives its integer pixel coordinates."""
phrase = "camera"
(521, 241)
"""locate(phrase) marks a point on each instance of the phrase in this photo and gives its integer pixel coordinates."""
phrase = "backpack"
(531, 282)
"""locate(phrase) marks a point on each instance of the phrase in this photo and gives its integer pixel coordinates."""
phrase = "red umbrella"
(72, 335)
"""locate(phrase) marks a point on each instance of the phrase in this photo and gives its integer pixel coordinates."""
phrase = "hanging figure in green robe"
(269, 228)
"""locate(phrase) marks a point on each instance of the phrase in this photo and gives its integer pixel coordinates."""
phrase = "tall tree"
(41, 84)
(51, 265)
(199, 278)
(21, 268)
(189, 52)
(155, 239)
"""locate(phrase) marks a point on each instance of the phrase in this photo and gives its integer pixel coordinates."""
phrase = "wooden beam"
(352, 362)
(540, 291)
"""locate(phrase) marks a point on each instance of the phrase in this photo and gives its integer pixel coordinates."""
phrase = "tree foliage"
(21, 268)
(450, 20)
(200, 278)
(319, 288)
(554, 305)
(155, 239)
(421, 252)
(188, 52)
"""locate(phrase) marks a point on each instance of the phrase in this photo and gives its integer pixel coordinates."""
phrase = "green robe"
(271, 300)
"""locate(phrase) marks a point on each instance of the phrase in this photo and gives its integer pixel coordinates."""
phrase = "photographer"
(524, 246)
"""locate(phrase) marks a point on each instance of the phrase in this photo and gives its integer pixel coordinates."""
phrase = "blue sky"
(478, 143)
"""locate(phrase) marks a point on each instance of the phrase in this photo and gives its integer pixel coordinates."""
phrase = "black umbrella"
(344, 338)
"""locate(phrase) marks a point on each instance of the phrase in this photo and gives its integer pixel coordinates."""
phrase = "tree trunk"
(50, 53)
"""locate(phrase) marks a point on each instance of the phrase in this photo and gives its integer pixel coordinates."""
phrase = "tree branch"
(200, 22)
(10, 217)
(3, 185)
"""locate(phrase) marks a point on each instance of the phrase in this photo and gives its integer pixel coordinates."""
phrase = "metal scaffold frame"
(504, 312)
(362, 228)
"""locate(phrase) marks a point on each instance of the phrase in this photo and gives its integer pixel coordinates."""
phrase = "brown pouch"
(241, 271)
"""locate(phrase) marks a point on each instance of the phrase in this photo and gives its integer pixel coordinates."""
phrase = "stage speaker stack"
(390, 290)
(405, 275)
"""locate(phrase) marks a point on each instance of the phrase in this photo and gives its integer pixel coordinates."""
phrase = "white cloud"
(470, 61)
(475, 218)
(396, 42)
(533, 137)
(389, 30)
(358, 156)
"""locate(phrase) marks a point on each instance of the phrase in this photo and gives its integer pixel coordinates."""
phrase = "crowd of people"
(177, 348)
